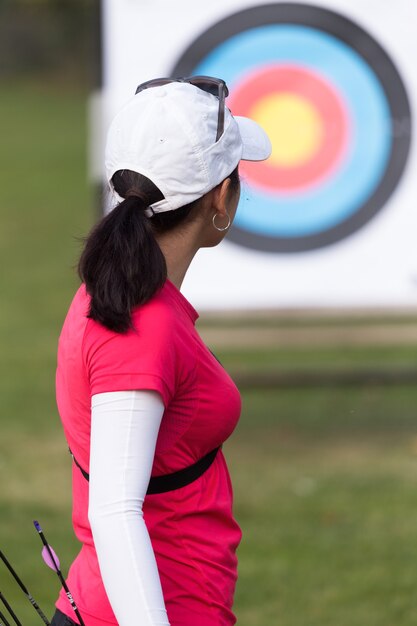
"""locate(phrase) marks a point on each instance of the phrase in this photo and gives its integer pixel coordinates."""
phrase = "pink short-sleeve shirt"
(193, 532)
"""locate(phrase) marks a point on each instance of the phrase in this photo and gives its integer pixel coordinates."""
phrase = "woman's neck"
(178, 250)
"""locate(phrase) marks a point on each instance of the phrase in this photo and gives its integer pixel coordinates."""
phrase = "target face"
(335, 108)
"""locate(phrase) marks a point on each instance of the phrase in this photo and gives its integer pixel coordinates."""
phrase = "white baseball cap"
(168, 134)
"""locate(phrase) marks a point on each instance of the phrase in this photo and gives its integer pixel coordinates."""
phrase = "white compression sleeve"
(124, 430)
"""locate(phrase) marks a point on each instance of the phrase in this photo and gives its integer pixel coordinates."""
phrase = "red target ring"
(315, 115)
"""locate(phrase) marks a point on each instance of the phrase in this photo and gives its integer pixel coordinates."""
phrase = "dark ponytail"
(122, 265)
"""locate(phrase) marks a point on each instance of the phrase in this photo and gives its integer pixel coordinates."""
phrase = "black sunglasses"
(216, 86)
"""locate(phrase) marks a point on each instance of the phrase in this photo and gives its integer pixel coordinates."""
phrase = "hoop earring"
(224, 227)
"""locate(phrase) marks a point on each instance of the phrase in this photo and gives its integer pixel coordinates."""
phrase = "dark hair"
(122, 265)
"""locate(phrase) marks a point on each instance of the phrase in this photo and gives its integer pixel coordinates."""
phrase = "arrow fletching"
(50, 557)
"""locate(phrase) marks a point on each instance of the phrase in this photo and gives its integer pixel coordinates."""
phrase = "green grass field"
(325, 477)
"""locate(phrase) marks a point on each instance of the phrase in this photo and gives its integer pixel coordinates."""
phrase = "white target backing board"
(330, 220)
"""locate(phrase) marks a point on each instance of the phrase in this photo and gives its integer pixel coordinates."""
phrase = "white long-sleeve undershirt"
(124, 430)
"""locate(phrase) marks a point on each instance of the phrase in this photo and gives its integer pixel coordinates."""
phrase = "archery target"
(330, 97)
(329, 219)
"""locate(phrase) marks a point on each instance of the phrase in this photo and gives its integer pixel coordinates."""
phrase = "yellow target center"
(293, 125)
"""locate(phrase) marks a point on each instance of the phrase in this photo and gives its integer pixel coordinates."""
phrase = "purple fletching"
(47, 558)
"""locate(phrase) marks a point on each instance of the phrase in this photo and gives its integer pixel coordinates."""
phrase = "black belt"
(176, 480)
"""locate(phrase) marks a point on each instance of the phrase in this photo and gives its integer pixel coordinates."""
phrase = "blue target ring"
(312, 211)
(374, 97)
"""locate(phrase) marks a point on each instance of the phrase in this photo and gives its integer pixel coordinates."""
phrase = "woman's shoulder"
(156, 320)
(167, 309)
(163, 320)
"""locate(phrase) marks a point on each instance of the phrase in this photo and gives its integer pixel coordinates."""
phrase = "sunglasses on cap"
(216, 86)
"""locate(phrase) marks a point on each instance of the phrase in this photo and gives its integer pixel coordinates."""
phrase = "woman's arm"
(124, 430)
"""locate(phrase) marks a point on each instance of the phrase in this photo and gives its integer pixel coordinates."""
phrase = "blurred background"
(321, 338)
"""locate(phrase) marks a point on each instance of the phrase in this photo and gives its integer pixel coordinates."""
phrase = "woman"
(138, 392)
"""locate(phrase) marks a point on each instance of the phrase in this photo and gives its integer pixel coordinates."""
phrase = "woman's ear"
(220, 197)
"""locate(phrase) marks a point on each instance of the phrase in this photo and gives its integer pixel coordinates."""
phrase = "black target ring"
(351, 34)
